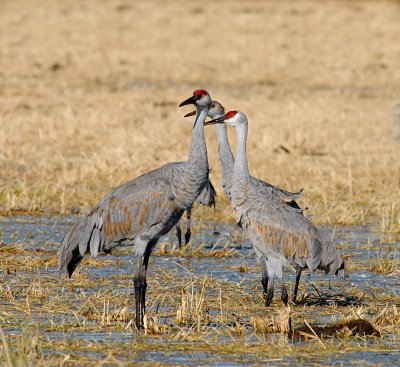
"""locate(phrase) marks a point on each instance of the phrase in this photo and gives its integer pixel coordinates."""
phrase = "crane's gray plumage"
(142, 210)
(280, 233)
(269, 191)
(227, 162)
(207, 198)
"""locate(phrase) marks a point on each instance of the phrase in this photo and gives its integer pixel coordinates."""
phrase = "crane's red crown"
(199, 93)
(230, 114)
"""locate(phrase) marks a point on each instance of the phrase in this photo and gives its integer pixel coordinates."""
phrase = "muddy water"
(45, 233)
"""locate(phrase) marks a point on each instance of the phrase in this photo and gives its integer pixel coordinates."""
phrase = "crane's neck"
(226, 158)
(224, 149)
(198, 150)
(241, 172)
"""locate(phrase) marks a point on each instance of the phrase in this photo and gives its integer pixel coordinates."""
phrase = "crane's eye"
(230, 114)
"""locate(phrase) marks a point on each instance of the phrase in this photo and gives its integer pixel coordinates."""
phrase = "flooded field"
(89, 95)
(204, 303)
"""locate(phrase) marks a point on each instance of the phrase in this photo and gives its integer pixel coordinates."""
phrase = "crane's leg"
(264, 279)
(179, 233)
(141, 285)
(188, 232)
(296, 284)
(284, 294)
(270, 292)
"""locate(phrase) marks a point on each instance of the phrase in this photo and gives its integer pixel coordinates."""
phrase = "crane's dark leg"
(270, 292)
(179, 234)
(284, 294)
(296, 284)
(138, 281)
(140, 286)
(264, 279)
(188, 232)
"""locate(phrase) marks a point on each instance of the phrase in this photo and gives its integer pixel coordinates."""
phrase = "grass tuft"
(24, 351)
(280, 322)
(385, 264)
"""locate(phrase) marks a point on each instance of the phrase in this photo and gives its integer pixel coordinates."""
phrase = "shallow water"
(42, 236)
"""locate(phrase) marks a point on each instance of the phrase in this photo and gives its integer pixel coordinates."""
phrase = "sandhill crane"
(208, 195)
(227, 163)
(206, 198)
(281, 235)
(142, 210)
(224, 149)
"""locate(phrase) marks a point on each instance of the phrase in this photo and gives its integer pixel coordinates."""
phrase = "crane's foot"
(264, 279)
(139, 326)
(296, 285)
(284, 295)
(188, 234)
(140, 291)
(269, 296)
(179, 236)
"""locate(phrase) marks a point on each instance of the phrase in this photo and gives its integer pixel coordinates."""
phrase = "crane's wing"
(282, 230)
(274, 192)
(279, 229)
(208, 195)
(121, 215)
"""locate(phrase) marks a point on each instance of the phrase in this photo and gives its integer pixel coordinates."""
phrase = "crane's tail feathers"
(332, 260)
(291, 197)
(342, 272)
(298, 194)
(208, 196)
(213, 195)
(84, 237)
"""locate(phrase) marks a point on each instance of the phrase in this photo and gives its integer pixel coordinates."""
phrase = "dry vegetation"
(89, 94)
(46, 321)
(88, 99)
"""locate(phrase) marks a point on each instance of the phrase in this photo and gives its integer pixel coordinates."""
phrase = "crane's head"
(200, 99)
(216, 110)
(233, 118)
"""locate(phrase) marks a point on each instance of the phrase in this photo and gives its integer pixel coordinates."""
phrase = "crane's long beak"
(219, 120)
(193, 113)
(190, 100)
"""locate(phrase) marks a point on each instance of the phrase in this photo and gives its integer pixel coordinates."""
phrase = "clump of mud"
(345, 328)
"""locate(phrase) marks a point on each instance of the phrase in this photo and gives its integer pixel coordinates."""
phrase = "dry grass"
(89, 94)
(188, 250)
(186, 311)
(386, 263)
(191, 308)
(388, 315)
(278, 323)
(192, 313)
(88, 99)
(24, 351)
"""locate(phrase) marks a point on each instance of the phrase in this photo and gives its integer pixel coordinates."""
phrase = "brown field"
(89, 94)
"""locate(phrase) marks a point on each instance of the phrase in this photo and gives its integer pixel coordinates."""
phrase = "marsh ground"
(204, 303)
(88, 99)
